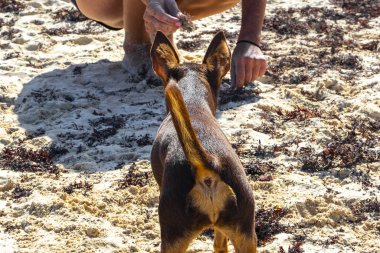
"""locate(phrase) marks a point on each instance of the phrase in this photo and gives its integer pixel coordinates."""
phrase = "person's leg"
(109, 12)
(136, 40)
(133, 12)
(128, 14)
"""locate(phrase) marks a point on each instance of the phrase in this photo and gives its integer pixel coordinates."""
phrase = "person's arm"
(248, 62)
(253, 12)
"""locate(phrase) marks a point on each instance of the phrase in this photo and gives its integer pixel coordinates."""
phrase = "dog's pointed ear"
(218, 56)
(164, 56)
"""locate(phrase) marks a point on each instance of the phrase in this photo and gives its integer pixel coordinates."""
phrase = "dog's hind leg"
(178, 228)
(179, 244)
(244, 243)
(220, 242)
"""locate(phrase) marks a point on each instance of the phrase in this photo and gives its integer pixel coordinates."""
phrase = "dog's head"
(216, 62)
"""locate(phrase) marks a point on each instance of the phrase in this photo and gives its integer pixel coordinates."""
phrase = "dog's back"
(202, 182)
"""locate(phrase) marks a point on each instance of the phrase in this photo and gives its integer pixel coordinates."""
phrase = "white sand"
(55, 90)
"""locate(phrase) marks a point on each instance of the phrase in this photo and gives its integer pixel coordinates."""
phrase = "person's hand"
(162, 15)
(248, 63)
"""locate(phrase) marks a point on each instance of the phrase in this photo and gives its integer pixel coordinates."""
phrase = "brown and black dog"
(202, 181)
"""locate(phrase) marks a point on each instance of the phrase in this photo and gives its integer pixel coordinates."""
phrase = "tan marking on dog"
(220, 242)
(241, 243)
(192, 148)
(166, 52)
(220, 57)
(212, 199)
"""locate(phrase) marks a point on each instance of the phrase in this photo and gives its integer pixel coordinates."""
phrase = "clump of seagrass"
(268, 223)
(187, 24)
(26, 160)
(134, 177)
(83, 186)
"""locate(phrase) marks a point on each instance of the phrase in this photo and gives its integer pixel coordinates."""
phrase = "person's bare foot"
(136, 59)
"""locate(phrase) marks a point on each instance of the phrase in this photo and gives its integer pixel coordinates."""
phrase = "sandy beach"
(77, 128)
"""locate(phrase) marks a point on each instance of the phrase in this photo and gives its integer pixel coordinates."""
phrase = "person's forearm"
(253, 12)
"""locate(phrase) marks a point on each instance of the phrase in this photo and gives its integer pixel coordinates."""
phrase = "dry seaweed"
(301, 114)
(268, 128)
(83, 186)
(71, 29)
(56, 151)
(26, 160)
(295, 248)
(99, 135)
(371, 46)
(268, 223)
(104, 128)
(141, 140)
(346, 61)
(346, 149)
(297, 114)
(144, 140)
(187, 24)
(284, 23)
(332, 240)
(134, 178)
(361, 209)
(57, 31)
(365, 7)
(287, 22)
(11, 55)
(191, 45)
(289, 62)
(260, 171)
(8, 22)
(312, 61)
(11, 6)
(296, 78)
(10, 33)
(244, 94)
(19, 192)
(69, 15)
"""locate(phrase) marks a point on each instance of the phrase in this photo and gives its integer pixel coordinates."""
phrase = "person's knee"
(110, 13)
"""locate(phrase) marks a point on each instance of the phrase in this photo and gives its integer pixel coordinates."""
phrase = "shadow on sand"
(97, 115)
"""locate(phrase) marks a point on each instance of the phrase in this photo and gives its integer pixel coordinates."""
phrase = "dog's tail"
(193, 149)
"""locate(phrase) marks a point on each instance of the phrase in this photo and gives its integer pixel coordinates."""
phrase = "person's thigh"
(203, 8)
(109, 12)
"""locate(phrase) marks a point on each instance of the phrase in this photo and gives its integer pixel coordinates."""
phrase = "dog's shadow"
(95, 116)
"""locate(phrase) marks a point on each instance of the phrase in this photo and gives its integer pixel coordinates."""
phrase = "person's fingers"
(240, 74)
(159, 13)
(153, 25)
(173, 9)
(233, 76)
(249, 65)
(255, 70)
(263, 68)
